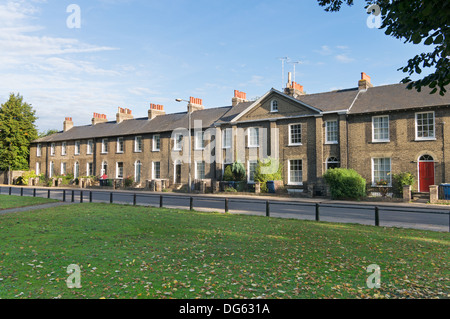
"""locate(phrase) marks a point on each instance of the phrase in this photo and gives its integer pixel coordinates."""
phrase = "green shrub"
(400, 180)
(129, 181)
(238, 170)
(228, 174)
(345, 183)
(268, 170)
(230, 190)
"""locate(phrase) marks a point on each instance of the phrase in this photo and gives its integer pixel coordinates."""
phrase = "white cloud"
(344, 58)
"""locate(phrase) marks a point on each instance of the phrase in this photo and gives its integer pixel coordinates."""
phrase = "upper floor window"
(425, 126)
(200, 140)
(380, 128)
(64, 148)
(52, 149)
(104, 146)
(120, 145)
(90, 147)
(178, 142)
(253, 137)
(38, 150)
(331, 129)
(156, 143)
(77, 148)
(274, 106)
(226, 134)
(138, 144)
(295, 134)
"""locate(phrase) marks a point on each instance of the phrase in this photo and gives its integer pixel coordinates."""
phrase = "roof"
(352, 101)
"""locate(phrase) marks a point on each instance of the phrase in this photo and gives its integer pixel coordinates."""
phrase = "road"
(436, 219)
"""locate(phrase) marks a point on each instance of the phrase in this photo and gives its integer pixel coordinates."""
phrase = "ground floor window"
(333, 162)
(381, 171)
(251, 171)
(63, 169)
(295, 172)
(156, 170)
(104, 170)
(200, 170)
(137, 171)
(50, 173)
(119, 170)
(90, 169)
(76, 170)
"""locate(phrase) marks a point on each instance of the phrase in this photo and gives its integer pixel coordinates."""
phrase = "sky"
(130, 53)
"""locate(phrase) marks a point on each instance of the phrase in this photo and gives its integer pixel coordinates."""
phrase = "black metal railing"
(190, 202)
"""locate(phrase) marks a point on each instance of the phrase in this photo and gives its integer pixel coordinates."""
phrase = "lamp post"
(190, 147)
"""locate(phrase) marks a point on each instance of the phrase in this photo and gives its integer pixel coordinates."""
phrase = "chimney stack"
(364, 83)
(99, 118)
(238, 98)
(67, 124)
(293, 88)
(155, 110)
(123, 115)
(195, 104)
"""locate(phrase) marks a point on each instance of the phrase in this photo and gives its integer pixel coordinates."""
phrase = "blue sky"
(130, 53)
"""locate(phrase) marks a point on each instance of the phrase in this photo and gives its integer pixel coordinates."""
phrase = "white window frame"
(136, 164)
(381, 140)
(328, 131)
(374, 183)
(90, 147)
(63, 168)
(64, 149)
(178, 145)
(38, 150)
(88, 169)
(156, 140)
(428, 138)
(289, 171)
(290, 134)
(154, 170)
(77, 147)
(38, 168)
(103, 170)
(227, 138)
(249, 162)
(197, 170)
(200, 139)
(52, 149)
(117, 170)
(138, 144)
(250, 137)
(51, 167)
(274, 106)
(332, 160)
(120, 142)
(104, 146)
(76, 172)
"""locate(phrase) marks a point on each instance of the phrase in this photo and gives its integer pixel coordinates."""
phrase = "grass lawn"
(138, 252)
(18, 201)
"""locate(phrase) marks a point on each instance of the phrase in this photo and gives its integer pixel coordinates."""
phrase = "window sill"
(381, 141)
(331, 143)
(425, 139)
(156, 151)
(297, 144)
(295, 184)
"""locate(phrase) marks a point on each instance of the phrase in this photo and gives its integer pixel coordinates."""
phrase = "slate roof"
(375, 99)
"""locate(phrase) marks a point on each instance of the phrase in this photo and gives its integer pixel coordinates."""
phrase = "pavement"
(31, 208)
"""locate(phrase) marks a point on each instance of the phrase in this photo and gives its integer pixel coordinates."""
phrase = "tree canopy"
(17, 130)
(415, 21)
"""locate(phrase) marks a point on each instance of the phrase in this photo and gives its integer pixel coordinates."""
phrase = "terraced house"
(378, 131)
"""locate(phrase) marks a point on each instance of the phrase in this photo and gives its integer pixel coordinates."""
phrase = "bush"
(129, 181)
(268, 170)
(400, 180)
(228, 174)
(345, 183)
(238, 170)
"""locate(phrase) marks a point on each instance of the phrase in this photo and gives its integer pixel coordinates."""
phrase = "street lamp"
(189, 128)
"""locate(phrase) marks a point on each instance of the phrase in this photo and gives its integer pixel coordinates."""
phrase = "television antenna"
(283, 61)
(295, 63)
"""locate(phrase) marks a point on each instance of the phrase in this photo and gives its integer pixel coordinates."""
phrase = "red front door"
(426, 176)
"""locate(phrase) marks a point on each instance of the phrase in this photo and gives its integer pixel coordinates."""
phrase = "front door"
(178, 174)
(426, 173)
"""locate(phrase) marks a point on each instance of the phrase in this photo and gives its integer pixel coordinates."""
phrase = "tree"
(48, 133)
(415, 21)
(17, 130)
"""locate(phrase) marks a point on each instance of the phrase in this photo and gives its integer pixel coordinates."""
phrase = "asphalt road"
(436, 219)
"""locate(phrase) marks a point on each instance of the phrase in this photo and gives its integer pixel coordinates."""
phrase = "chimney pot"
(364, 83)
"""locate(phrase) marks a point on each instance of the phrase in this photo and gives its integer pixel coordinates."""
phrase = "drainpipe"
(443, 152)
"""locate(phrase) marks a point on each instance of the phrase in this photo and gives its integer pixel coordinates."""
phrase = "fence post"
(377, 216)
(21, 191)
(226, 205)
(10, 189)
(134, 199)
(73, 196)
(64, 195)
(34, 192)
(90, 196)
(111, 197)
(48, 194)
(160, 201)
(317, 213)
(191, 203)
(81, 196)
(267, 208)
